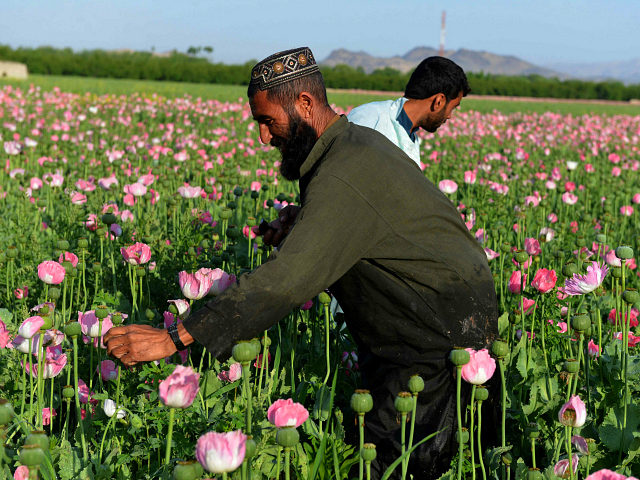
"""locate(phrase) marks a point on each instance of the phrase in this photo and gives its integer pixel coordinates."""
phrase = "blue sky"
(540, 31)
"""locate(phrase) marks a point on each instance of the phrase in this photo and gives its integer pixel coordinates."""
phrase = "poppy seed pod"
(324, 298)
(581, 241)
(185, 471)
(250, 447)
(534, 474)
(116, 318)
(12, 252)
(31, 456)
(83, 243)
(500, 348)
(54, 293)
(231, 205)
(569, 269)
(403, 402)
(48, 323)
(505, 248)
(257, 346)
(601, 238)
(68, 391)
(361, 401)
(39, 438)
(255, 195)
(102, 311)
(368, 452)
(506, 458)
(243, 352)
(238, 191)
(109, 218)
(521, 256)
(624, 252)
(225, 214)
(6, 411)
(464, 438)
(416, 384)
(580, 323)
(571, 365)
(482, 394)
(616, 272)
(281, 197)
(73, 329)
(62, 244)
(631, 295)
(459, 357)
(287, 437)
(266, 341)
(97, 268)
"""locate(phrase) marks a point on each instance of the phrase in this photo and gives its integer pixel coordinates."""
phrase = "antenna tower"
(442, 32)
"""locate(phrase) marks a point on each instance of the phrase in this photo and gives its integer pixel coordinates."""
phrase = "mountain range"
(481, 61)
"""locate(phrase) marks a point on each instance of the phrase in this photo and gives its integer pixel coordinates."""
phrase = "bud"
(231, 205)
(416, 384)
(62, 244)
(250, 447)
(403, 402)
(68, 391)
(140, 271)
(186, 470)
(254, 195)
(48, 323)
(12, 252)
(54, 293)
(225, 214)
(97, 268)
(324, 298)
(83, 243)
(287, 437)
(616, 272)
(601, 238)
(116, 319)
(459, 357)
(361, 401)
(281, 197)
(534, 474)
(102, 311)
(265, 341)
(149, 314)
(238, 191)
(506, 458)
(368, 452)
(505, 248)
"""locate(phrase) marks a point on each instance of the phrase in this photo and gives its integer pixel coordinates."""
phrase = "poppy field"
(139, 208)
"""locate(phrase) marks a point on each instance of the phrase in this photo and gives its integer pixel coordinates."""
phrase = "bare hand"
(138, 343)
(274, 232)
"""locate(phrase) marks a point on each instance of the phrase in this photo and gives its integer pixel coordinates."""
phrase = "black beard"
(296, 147)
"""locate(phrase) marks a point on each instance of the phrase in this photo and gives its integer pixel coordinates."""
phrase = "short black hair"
(437, 75)
(287, 93)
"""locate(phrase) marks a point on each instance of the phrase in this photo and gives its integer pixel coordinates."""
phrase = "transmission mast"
(442, 32)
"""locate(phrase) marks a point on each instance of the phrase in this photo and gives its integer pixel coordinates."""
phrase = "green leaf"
(611, 432)
(533, 394)
(493, 458)
(6, 316)
(521, 363)
(70, 463)
(503, 324)
(392, 467)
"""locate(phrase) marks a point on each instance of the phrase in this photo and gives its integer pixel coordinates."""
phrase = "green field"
(101, 86)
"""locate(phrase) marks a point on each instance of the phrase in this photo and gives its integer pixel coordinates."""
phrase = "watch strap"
(173, 333)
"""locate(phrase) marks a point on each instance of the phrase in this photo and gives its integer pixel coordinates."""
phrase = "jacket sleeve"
(335, 228)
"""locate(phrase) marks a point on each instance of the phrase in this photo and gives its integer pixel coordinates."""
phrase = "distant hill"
(469, 60)
(625, 71)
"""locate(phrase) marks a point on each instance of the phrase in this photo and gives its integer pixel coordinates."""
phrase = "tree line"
(189, 67)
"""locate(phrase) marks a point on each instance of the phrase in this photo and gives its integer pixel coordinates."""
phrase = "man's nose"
(265, 134)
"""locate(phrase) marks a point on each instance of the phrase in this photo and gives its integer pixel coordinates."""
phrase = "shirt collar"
(323, 143)
(406, 123)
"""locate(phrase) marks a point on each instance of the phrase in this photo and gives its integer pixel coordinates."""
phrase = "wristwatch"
(173, 333)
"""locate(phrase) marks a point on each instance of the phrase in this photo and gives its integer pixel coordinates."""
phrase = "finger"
(114, 332)
(120, 351)
(277, 237)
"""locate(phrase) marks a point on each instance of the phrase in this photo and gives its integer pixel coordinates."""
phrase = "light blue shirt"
(388, 118)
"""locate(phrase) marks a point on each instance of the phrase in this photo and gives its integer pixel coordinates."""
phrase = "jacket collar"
(323, 143)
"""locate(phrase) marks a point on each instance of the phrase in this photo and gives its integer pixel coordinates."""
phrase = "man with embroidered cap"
(433, 92)
(381, 237)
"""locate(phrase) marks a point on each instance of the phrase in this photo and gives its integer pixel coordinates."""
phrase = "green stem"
(484, 473)
(458, 411)
(473, 458)
(403, 427)
(287, 453)
(503, 401)
(361, 431)
(40, 380)
(85, 454)
(167, 457)
(246, 373)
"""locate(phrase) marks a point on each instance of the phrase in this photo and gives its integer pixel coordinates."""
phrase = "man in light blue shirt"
(433, 92)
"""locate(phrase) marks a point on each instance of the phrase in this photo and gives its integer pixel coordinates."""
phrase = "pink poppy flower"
(180, 388)
(593, 348)
(480, 367)
(544, 280)
(21, 473)
(221, 452)
(51, 272)
(234, 373)
(470, 177)
(187, 191)
(448, 186)
(626, 210)
(581, 284)
(47, 414)
(136, 254)
(561, 469)
(21, 293)
(194, 286)
(532, 246)
(69, 257)
(107, 370)
(30, 326)
(516, 281)
(135, 189)
(632, 317)
(573, 413)
(287, 413)
(606, 474)
(569, 198)
(632, 339)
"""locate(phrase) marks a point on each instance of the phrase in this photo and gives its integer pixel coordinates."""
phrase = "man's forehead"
(262, 106)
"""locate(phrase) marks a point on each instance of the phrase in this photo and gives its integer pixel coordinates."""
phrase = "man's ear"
(305, 104)
(439, 102)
